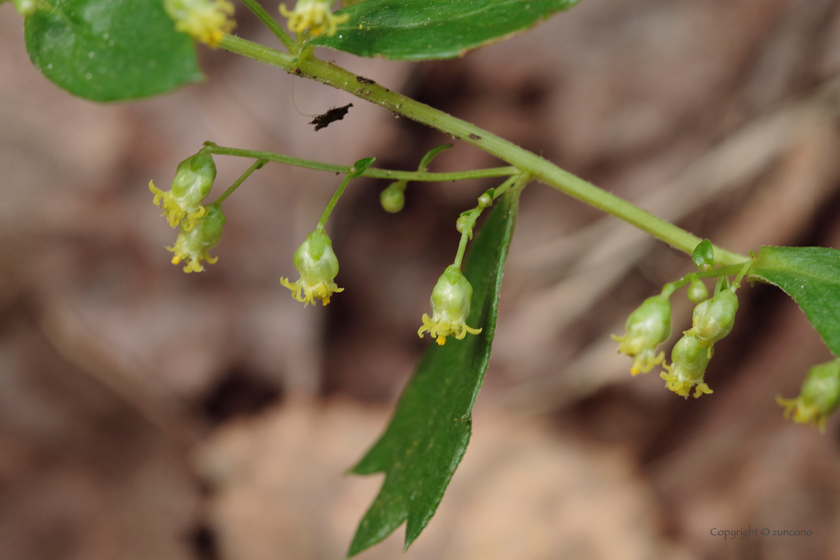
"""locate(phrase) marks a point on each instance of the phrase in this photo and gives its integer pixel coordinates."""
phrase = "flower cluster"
(318, 266)
(650, 325)
(450, 307)
(205, 20)
(314, 15)
(199, 227)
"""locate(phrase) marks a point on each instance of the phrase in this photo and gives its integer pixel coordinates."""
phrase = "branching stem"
(539, 168)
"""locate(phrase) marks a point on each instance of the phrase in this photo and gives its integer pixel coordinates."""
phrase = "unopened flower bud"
(318, 266)
(462, 223)
(646, 328)
(193, 244)
(192, 183)
(697, 291)
(485, 201)
(450, 307)
(819, 397)
(689, 360)
(392, 197)
(713, 319)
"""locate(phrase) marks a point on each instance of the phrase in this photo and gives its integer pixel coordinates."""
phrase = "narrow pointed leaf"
(110, 50)
(811, 276)
(429, 29)
(430, 429)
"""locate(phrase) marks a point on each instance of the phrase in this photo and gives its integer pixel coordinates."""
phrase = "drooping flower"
(318, 266)
(450, 307)
(689, 360)
(205, 20)
(192, 183)
(314, 15)
(195, 243)
(646, 328)
(714, 318)
(819, 397)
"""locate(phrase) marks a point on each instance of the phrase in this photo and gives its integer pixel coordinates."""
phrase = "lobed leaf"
(811, 276)
(430, 429)
(110, 50)
(430, 29)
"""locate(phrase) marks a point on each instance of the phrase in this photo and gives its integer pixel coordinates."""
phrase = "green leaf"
(704, 255)
(430, 429)
(360, 166)
(109, 50)
(811, 276)
(429, 29)
(432, 154)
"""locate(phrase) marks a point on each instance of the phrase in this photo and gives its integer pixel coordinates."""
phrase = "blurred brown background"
(149, 414)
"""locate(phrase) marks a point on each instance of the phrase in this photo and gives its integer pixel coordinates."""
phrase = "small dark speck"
(474, 136)
(297, 71)
(362, 80)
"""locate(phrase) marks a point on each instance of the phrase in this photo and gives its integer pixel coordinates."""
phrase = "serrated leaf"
(110, 50)
(811, 276)
(430, 429)
(430, 29)
(704, 255)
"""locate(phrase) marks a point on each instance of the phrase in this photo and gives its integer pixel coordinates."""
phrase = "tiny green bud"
(462, 223)
(485, 200)
(697, 291)
(392, 197)
(193, 181)
(195, 243)
(646, 328)
(819, 397)
(450, 307)
(318, 266)
(714, 318)
(689, 360)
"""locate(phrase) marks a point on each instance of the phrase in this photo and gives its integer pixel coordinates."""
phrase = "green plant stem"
(257, 165)
(333, 201)
(736, 269)
(272, 25)
(518, 182)
(541, 169)
(422, 176)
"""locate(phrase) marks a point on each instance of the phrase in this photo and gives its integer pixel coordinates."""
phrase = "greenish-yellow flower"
(450, 307)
